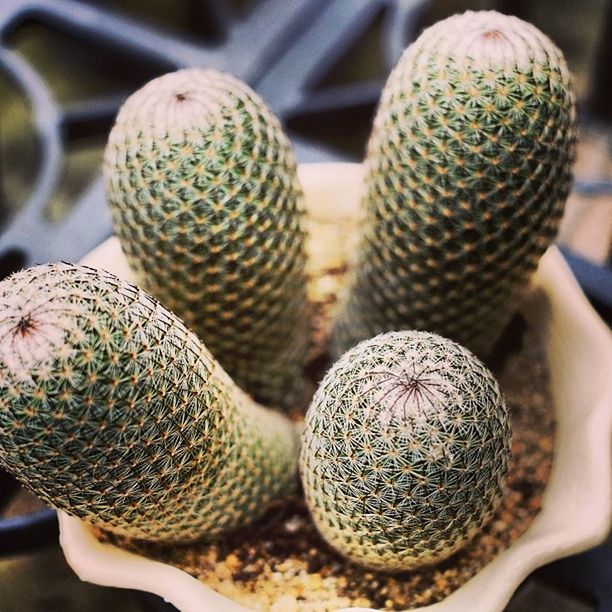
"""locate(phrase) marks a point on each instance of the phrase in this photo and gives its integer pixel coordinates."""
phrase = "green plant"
(468, 169)
(111, 410)
(202, 185)
(405, 450)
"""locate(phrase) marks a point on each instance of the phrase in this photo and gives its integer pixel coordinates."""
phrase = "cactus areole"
(205, 200)
(405, 450)
(111, 410)
(467, 172)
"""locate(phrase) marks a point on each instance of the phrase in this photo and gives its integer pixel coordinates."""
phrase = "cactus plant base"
(282, 559)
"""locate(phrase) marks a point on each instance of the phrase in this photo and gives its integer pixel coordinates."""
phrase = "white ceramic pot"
(577, 505)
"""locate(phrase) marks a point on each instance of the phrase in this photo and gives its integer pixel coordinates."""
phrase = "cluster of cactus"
(468, 169)
(203, 189)
(405, 450)
(111, 410)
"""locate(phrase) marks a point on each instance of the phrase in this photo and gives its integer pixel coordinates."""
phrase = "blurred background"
(65, 68)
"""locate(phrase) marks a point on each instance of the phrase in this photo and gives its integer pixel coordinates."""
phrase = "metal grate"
(288, 42)
(300, 56)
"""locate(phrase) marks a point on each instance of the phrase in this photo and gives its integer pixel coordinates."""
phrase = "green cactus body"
(405, 450)
(468, 168)
(203, 189)
(111, 410)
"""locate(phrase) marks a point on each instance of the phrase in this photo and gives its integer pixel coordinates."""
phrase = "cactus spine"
(205, 200)
(405, 450)
(111, 410)
(468, 168)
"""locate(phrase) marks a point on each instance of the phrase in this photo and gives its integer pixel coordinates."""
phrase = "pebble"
(232, 562)
(294, 524)
(286, 603)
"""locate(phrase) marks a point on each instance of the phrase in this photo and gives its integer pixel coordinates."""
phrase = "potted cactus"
(405, 450)
(123, 418)
(468, 169)
(579, 354)
(202, 185)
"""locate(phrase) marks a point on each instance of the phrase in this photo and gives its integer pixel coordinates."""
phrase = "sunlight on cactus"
(111, 410)
(205, 199)
(468, 169)
(405, 450)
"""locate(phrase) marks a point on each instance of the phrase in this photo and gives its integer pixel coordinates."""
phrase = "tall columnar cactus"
(111, 410)
(468, 169)
(405, 450)
(205, 200)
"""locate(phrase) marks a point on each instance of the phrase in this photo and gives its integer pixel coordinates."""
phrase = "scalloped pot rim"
(577, 504)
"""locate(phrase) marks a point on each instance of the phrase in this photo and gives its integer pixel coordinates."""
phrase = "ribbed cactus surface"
(468, 168)
(405, 450)
(205, 200)
(111, 410)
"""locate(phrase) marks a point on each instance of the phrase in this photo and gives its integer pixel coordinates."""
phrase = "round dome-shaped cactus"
(467, 171)
(111, 410)
(205, 200)
(405, 450)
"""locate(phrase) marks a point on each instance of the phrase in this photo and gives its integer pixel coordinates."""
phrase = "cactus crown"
(205, 200)
(112, 410)
(468, 170)
(405, 450)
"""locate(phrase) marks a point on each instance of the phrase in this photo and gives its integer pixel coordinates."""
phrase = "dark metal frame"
(288, 42)
(284, 49)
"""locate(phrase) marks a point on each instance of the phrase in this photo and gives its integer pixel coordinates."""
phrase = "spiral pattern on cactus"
(111, 410)
(468, 169)
(405, 450)
(203, 189)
